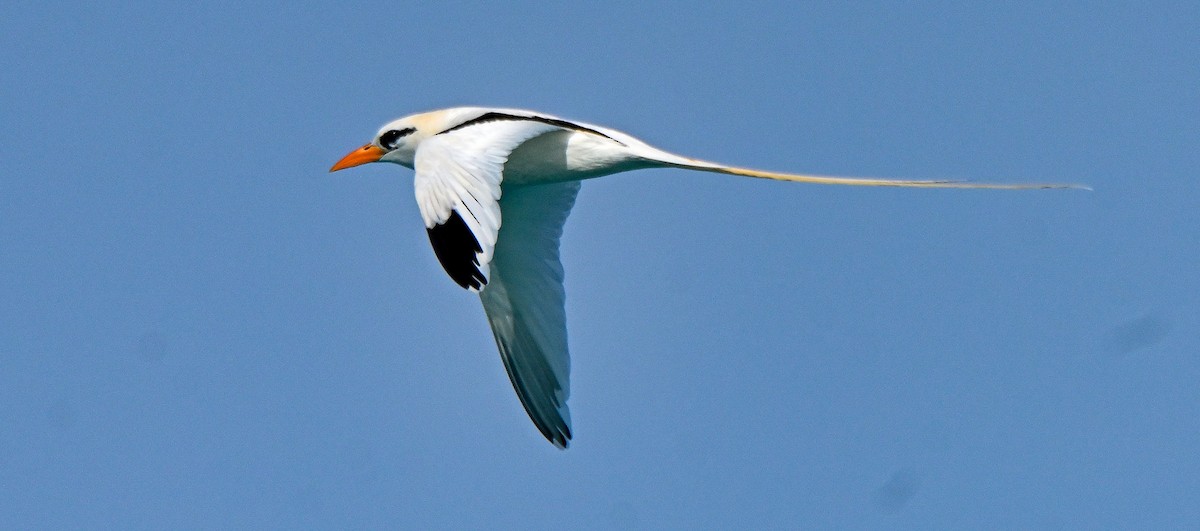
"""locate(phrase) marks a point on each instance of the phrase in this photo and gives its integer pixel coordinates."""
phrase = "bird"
(494, 187)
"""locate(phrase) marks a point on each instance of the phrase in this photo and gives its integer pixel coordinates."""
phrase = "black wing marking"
(458, 251)
(497, 116)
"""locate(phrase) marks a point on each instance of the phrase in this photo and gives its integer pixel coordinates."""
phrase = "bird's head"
(395, 142)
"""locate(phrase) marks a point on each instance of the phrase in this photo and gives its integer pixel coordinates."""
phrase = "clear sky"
(202, 328)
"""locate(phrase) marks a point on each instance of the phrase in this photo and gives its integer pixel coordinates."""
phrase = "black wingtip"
(458, 251)
(560, 440)
(554, 430)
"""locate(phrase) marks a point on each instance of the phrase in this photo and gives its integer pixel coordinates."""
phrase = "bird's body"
(494, 187)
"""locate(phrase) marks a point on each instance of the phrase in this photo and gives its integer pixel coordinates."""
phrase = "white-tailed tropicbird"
(494, 187)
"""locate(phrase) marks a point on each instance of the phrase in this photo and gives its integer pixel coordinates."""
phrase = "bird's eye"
(388, 140)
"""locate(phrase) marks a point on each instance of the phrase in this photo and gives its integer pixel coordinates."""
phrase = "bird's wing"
(457, 184)
(524, 302)
(514, 265)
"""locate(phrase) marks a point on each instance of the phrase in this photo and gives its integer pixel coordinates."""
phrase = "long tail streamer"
(866, 181)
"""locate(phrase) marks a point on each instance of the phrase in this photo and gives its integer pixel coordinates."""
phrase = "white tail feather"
(866, 181)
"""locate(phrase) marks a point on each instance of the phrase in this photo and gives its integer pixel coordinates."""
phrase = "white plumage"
(494, 187)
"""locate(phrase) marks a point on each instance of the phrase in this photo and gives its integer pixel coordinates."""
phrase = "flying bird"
(494, 187)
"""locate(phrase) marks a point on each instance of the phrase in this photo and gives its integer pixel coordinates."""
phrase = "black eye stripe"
(388, 140)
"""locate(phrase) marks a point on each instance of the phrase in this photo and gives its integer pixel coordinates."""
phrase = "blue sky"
(201, 328)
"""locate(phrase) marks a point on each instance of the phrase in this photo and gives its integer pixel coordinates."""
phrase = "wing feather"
(525, 302)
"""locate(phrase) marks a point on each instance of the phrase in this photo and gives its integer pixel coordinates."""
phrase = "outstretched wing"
(457, 184)
(524, 302)
(506, 248)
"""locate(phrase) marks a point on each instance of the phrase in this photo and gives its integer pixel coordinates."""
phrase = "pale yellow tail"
(853, 181)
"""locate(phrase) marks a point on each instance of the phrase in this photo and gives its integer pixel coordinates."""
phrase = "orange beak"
(362, 155)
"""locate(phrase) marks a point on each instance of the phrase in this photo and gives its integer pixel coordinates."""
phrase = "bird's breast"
(568, 156)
